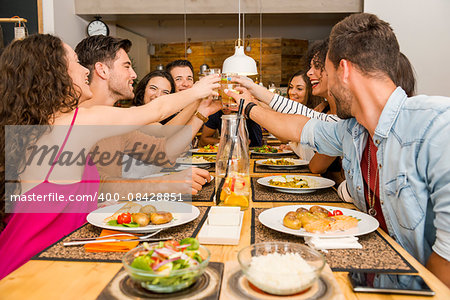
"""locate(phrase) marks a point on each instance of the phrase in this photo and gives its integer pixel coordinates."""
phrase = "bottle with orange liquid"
(236, 189)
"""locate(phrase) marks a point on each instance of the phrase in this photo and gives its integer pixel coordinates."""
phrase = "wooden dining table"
(47, 279)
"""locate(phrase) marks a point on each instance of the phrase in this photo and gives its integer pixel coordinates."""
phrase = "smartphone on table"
(389, 283)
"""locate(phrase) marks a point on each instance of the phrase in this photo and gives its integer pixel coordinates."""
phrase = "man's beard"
(121, 93)
(343, 106)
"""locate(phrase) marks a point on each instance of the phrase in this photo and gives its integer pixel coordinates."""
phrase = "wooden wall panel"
(292, 57)
(280, 57)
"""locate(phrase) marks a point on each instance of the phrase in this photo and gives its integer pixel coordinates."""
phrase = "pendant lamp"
(240, 63)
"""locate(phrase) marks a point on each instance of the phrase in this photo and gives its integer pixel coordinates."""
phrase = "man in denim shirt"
(395, 149)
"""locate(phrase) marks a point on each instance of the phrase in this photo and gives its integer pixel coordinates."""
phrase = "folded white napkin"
(349, 242)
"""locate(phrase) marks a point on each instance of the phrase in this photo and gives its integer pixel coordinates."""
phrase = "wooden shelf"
(12, 20)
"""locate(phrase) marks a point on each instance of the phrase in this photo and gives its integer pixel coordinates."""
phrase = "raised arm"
(185, 115)
(287, 127)
(288, 106)
(279, 103)
(258, 91)
(151, 112)
(179, 141)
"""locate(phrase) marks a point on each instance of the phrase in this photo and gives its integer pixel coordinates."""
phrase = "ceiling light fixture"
(240, 63)
(189, 50)
(248, 48)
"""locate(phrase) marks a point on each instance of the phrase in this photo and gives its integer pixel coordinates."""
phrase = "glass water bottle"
(233, 186)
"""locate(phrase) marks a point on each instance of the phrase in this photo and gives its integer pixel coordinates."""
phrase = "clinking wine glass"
(209, 72)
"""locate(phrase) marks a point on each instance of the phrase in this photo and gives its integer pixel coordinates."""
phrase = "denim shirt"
(412, 136)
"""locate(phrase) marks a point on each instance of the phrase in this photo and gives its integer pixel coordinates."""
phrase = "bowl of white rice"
(281, 268)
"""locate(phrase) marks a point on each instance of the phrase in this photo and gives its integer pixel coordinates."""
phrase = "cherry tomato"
(124, 218)
(156, 261)
(171, 244)
(337, 212)
(330, 214)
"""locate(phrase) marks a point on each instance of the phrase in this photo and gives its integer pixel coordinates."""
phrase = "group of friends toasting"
(353, 113)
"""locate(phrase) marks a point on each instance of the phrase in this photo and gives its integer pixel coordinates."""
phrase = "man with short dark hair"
(392, 145)
(111, 73)
(182, 72)
(111, 79)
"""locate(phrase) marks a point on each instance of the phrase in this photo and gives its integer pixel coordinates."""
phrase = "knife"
(74, 243)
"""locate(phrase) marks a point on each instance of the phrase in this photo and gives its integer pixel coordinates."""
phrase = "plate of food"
(143, 216)
(210, 149)
(318, 221)
(296, 184)
(197, 160)
(269, 150)
(282, 163)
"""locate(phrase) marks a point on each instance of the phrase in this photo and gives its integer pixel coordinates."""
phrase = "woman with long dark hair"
(300, 90)
(154, 84)
(42, 83)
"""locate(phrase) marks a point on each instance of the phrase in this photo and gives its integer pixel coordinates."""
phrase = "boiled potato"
(148, 209)
(319, 211)
(301, 209)
(161, 217)
(141, 218)
(307, 218)
(290, 220)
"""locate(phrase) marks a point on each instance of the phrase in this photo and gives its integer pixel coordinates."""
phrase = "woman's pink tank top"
(27, 234)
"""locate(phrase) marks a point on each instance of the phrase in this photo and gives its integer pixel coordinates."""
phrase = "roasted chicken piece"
(318, 226)
(343, 223)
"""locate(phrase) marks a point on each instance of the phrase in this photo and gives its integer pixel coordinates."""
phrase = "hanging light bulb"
(240, 63)
(189, 50)
(248, 48)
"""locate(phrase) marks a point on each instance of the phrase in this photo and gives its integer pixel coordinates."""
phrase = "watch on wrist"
(201, 117)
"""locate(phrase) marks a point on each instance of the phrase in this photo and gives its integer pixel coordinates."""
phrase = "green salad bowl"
(176, 280)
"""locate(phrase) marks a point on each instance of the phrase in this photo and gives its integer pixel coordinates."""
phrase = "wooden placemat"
(206, 194)
(265, 194)
(263, 169)
(235, 286)
(77, 253)
(377, 255)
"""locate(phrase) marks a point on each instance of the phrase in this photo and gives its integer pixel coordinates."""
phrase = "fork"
(142, 237)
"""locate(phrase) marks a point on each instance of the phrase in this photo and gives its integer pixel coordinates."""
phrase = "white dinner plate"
(182, 214)
(188, 161)
(297, 163)
(196, 151)
(314, 182)
(273, 218)
(272, 154)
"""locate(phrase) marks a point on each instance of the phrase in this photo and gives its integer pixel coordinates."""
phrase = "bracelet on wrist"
(248, 108)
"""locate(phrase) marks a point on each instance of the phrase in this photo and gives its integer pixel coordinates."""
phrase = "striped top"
(288, 106)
